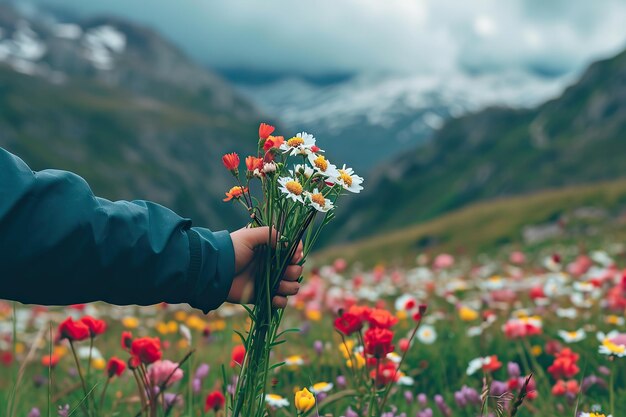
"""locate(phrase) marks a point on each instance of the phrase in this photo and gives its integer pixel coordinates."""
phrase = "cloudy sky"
(412, 36)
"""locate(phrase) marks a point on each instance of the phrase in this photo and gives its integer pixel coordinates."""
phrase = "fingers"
(257, 236)
(279, 302)
(292, 273)
(298, 255)
(287, 288)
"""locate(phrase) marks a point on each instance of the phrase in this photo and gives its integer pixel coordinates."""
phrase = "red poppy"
(404, 344)
(214, 401)
(50, 360)
(386, 374)
(146, 349)
(237, 355)
(95, 326)
(493, 365)
(381, 318)
(265, 130)
(127, 339)
(564, 365)
(115, 366)
(348, 323)
(231, 161)
(133, 362)
(73, 330)
(565, 387)
(362, 312)
(378, 342)
(6, 358)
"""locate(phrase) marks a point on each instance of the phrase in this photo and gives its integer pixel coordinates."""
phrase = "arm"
(59, 244)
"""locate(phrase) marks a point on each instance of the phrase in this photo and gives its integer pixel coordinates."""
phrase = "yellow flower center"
(320, 386)
(572, 334)
(294, 187)
(274, 397)
(613, 347)
(345, 177)
(295, 141)
(321, 163)
(319, 199)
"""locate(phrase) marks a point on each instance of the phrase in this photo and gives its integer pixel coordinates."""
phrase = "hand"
(246, 264)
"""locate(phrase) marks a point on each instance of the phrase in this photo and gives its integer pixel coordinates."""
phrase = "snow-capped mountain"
(368, 118)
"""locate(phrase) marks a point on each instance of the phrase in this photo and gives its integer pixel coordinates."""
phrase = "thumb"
(258, 236)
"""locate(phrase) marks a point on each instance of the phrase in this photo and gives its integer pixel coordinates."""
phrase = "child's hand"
(242, 290)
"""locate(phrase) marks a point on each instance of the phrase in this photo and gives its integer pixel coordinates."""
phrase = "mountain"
(121, 106)
(574, 139)
(366, 119)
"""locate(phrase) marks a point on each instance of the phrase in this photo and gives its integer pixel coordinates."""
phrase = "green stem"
(80, 374)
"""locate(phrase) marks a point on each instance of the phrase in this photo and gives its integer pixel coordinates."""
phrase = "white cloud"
(372, 35)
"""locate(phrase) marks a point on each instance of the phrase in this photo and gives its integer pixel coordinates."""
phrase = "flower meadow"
(512, 335)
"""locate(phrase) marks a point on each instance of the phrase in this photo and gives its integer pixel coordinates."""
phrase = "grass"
(485, 226)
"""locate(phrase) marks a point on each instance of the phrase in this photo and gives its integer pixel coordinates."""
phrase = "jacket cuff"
(212, 266)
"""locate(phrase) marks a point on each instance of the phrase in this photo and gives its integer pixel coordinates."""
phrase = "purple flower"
(471, 395)
(63, 411)
(318, 345)
(202, 371)
(422, 399)
(408, 396)
(351, 413)
(321, 397)
(341, 381)
(498, 388)
(443, 407)
(34, 412)
(513, 369)
(425, 413)
(460, 400)
(196, 385)
(590, 381)
(172, 399)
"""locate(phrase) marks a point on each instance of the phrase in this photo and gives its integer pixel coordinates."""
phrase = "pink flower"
(443, 261)
(160, 371)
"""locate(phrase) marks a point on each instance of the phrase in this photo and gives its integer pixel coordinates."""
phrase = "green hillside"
(581, 215)
(576, 139)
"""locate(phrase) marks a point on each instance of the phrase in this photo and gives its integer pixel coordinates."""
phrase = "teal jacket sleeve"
(59, 245)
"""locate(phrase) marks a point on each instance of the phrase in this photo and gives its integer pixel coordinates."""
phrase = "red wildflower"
(214, 401)
(404, 344)
(146, 349)
(564, 365)
(237, 355)
(115, 366)
(348, 323)
(231, 161)
(378, 342)
(493, 365)
(265, 130)
(381, 318)
(50, 360)
(386, 374)
(95, 326)
(565, 387)
(127, 339)
(362, 312)
(73, 330)
(235, 192)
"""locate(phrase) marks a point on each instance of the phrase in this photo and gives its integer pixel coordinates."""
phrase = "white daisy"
(475, 365)
(276, 401)
(405, 380)
(426, 334)
(348, 180)
(567, 313)
(292, 188)
(594, 414)
(601, 336)
(572, 337)
(405, 302)
(301, 144)
(318, 201)
(321, 387)
(305, 170)
(322, 165)
(294, 360)
(394, 357)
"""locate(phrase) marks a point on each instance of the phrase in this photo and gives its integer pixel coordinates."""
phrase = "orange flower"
(252, 163)
(381, 318)
(265, 130)
(50, 360)
(273, 142)
(231, 161)
(235, 192)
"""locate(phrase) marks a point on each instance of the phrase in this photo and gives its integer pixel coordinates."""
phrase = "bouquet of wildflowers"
(298, 189)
